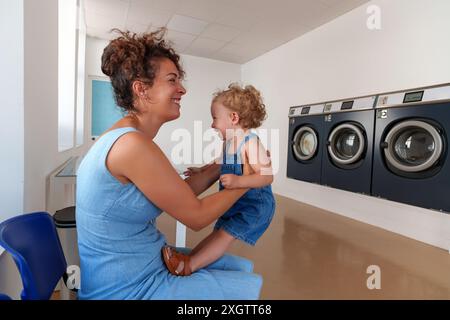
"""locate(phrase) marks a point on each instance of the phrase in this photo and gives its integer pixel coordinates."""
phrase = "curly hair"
(133, 57)
(246, 101)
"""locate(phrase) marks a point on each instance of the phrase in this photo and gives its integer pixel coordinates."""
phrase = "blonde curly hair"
(246, 101)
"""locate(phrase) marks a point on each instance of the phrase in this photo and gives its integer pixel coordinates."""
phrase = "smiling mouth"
(177, 101)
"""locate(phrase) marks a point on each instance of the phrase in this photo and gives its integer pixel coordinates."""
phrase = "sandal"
(172, 259)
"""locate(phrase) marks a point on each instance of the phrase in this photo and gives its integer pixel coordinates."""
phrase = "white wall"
(12, 128)
(34, 143)
(344, 59)
(203, 77)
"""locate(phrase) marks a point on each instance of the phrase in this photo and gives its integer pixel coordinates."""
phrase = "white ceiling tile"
(146, 14)
(330, 3)
(220, 32)
(229, 30)
(136, 27)
(169, 5)
(208, 10)
(102, 22)
(186, 24)
(204, 46)
(255, 7)
(237, 18)
(230, 48)
(115, 9)
(100, 33)
(229, 57)
(141, 3)
(180, 40)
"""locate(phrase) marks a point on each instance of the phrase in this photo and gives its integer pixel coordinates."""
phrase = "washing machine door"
(346, 144)
(305, 143)
(413, 146)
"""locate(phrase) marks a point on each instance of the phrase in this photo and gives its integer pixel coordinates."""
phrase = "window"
(71, 74)
(81, 76)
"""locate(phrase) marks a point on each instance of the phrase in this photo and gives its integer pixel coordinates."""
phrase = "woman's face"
(165, 95)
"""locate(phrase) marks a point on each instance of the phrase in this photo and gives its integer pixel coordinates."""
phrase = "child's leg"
(210, 249)
(203, 242)
(206, 252)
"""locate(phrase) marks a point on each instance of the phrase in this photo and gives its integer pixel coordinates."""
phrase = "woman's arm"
(201, 181)
(140, 161)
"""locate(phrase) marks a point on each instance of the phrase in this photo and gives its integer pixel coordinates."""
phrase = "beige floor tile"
(309, 253)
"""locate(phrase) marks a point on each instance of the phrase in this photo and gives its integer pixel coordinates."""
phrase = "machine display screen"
(305, 110)
(413, 97)
(347, 105)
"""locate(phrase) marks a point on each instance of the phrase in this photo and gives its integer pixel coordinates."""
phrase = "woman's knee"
(243, 264)
(232, 263)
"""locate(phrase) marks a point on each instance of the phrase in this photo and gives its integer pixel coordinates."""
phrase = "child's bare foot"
(177, 263)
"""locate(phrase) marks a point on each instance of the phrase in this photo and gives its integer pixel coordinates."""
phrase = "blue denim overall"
(120, 245)
(250, 216)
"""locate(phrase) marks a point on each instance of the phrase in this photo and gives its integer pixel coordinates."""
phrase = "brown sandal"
(172, 259)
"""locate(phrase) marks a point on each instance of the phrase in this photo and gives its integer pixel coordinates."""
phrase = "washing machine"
(348, 149)
(304, 159)
(411, 160)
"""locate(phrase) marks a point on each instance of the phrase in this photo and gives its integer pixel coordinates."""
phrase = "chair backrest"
(33, 242)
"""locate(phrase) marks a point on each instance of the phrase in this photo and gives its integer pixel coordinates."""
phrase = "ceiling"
(228, 30)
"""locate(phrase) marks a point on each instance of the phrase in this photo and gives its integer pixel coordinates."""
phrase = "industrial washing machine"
(347, 155)
(411, 160)
(305, 143)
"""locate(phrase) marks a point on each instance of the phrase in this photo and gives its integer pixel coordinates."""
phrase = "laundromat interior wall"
(344, 59)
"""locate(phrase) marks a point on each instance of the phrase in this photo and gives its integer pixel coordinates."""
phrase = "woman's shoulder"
(133, 143)
(128, 150)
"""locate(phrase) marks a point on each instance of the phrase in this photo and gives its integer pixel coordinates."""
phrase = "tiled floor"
(309, 253)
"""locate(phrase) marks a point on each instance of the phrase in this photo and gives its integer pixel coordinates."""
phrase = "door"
(413, 146)
(346, 144)
(305, 143)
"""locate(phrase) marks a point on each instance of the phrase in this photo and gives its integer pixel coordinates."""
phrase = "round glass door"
(346, 144)
(413, 146)
(305, 143)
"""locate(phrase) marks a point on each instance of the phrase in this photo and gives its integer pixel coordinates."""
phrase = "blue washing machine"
(305, 143)
(347, 155)
(411, 159)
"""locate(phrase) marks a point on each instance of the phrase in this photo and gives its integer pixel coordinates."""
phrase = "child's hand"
(230, 181)
(192, 171)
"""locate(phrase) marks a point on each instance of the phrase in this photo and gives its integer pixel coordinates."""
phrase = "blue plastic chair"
(33, 242)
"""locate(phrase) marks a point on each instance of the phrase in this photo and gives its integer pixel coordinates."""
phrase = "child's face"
(223, 118)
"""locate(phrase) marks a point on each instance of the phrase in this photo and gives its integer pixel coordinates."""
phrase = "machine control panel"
(305, 110)
(422, 95)
(347, 105)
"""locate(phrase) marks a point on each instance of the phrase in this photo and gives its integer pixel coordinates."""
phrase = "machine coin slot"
(413, 97)
(347, 105)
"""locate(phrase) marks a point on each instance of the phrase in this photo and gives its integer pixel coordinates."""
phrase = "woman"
(125, 181)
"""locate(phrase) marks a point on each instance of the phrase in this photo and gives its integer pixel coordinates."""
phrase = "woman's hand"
(192, 171)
